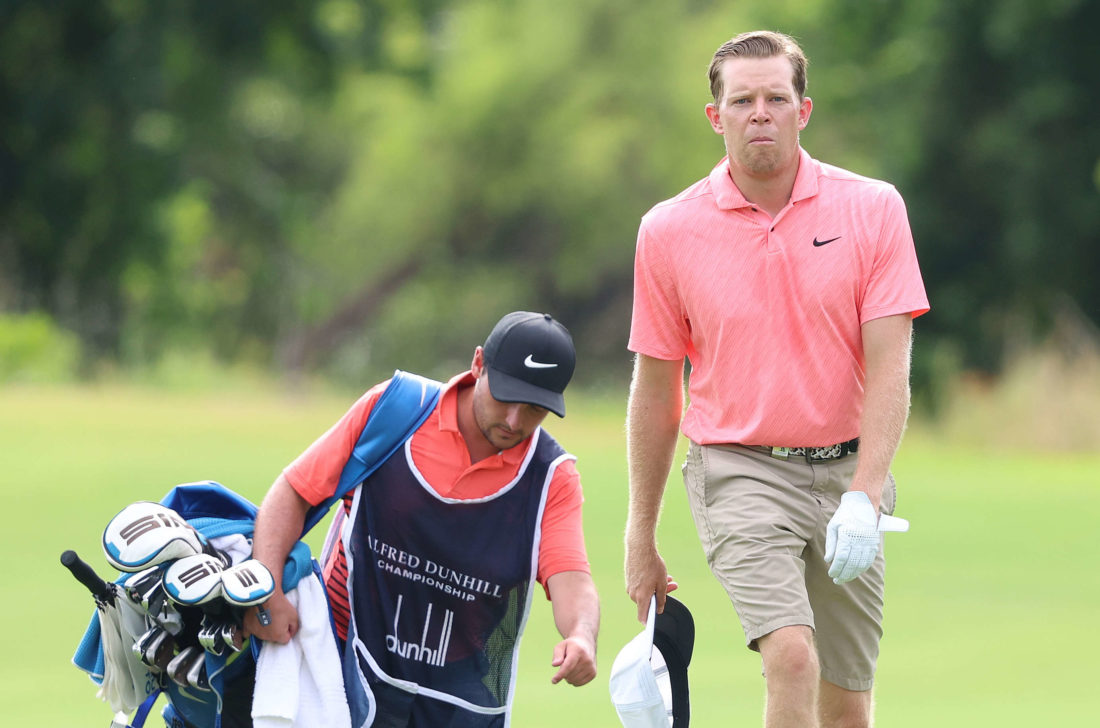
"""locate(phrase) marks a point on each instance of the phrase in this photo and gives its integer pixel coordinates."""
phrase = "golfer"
(790, 285)
(450, 535)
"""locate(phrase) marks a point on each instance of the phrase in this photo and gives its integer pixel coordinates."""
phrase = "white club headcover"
(194, 579)
(247, 583)
(145, 534)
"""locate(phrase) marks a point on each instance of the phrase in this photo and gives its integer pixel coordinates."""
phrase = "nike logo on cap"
(819, 243)
(530, 363)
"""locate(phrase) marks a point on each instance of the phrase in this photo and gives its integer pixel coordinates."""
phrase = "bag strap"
(399, 411)
(143, 710)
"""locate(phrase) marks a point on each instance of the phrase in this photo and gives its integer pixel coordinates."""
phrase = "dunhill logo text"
(432, 653)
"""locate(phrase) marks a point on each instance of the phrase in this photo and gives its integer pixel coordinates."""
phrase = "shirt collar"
(448, 400)
(728, 196)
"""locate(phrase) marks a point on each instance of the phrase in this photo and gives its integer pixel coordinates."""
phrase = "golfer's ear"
(714, 118)
(804, 110)
(477, 366)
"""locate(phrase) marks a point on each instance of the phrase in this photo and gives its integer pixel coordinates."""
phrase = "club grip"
(86, 575)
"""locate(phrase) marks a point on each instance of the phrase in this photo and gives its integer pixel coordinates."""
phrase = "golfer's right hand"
(647, 575)
(284, 619)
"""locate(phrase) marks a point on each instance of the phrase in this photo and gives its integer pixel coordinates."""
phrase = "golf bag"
(216, 512)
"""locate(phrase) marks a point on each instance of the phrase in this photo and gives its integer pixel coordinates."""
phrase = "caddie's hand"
(284, 619)
(646, 575)
(852, 538)
(575, 658)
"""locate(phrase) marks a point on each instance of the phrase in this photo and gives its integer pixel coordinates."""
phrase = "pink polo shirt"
(768, 310)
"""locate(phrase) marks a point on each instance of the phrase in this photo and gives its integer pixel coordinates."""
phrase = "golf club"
(248, 583)
(103, 591)
(196, 673)
(145, 534)
(181, 664)
(232, 636)
(194, 579)
(156, 648)
(210, 635)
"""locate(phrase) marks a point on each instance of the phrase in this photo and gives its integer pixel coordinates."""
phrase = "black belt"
(811, 454)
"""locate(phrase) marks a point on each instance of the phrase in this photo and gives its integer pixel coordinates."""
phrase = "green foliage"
(34, 349)
(274, 182)
(1002, 194)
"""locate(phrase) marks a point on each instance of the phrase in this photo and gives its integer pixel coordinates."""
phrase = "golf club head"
(155, 648)
(232, 636)
(247, 583)
(210, 635)
(145, 534)
(148, 592)
(141, 587)
(181, 664)
(196, 673)
(161, 610)
(154, 600)
(141, 581)
(194, 579)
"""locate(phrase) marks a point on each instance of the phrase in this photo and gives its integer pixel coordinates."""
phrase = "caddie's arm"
(653, 414)
(887, 347)
(278, 526)
(576, 609)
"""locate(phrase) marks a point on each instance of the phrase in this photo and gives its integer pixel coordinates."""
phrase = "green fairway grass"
(992, 596)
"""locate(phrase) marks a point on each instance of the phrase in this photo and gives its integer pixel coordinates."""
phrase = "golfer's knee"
(790, 656)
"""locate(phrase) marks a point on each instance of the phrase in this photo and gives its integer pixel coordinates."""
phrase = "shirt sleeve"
(658, 327)
(561, 547)
(895, 285)
(315, 473)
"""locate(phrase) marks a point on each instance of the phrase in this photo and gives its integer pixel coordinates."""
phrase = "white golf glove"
(852, 537)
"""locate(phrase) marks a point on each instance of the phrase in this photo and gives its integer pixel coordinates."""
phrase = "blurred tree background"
(343, 187)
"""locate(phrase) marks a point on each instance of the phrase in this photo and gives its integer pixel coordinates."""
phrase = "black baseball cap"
(674, 638)
(531, 359)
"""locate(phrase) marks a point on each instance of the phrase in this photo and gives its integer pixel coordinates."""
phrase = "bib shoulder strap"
(399, 411)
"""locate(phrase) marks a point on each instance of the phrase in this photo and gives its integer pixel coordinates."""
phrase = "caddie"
(438, 558)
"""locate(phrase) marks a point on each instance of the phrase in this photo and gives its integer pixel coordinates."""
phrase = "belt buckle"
(781, 453)
(828, 452)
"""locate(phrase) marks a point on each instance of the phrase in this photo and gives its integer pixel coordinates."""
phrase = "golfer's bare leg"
(792, 675)
(840, 708)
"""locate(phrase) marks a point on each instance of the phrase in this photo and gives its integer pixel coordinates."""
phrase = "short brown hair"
(759, 44)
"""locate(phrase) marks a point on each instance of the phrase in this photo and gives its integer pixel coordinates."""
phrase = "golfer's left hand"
(575, 658)
(852, 537)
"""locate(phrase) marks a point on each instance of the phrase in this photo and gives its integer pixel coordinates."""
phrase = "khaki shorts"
(762, 523)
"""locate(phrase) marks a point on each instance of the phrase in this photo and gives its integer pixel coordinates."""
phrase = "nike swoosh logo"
(819, 243)
(530, 363)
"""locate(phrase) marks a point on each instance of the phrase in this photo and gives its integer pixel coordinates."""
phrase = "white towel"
(236, 546)
(301, 684)
(126, 679)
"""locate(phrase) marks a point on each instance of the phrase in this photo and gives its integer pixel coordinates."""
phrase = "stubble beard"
(760, 162)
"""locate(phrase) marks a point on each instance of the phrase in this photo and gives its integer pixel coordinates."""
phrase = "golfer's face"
(759, 115)
(504, 424)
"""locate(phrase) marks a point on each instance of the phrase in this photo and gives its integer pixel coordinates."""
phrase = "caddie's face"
(503, 424)
(759, 115)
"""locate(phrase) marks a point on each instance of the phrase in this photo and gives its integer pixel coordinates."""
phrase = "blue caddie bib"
(440, 590)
